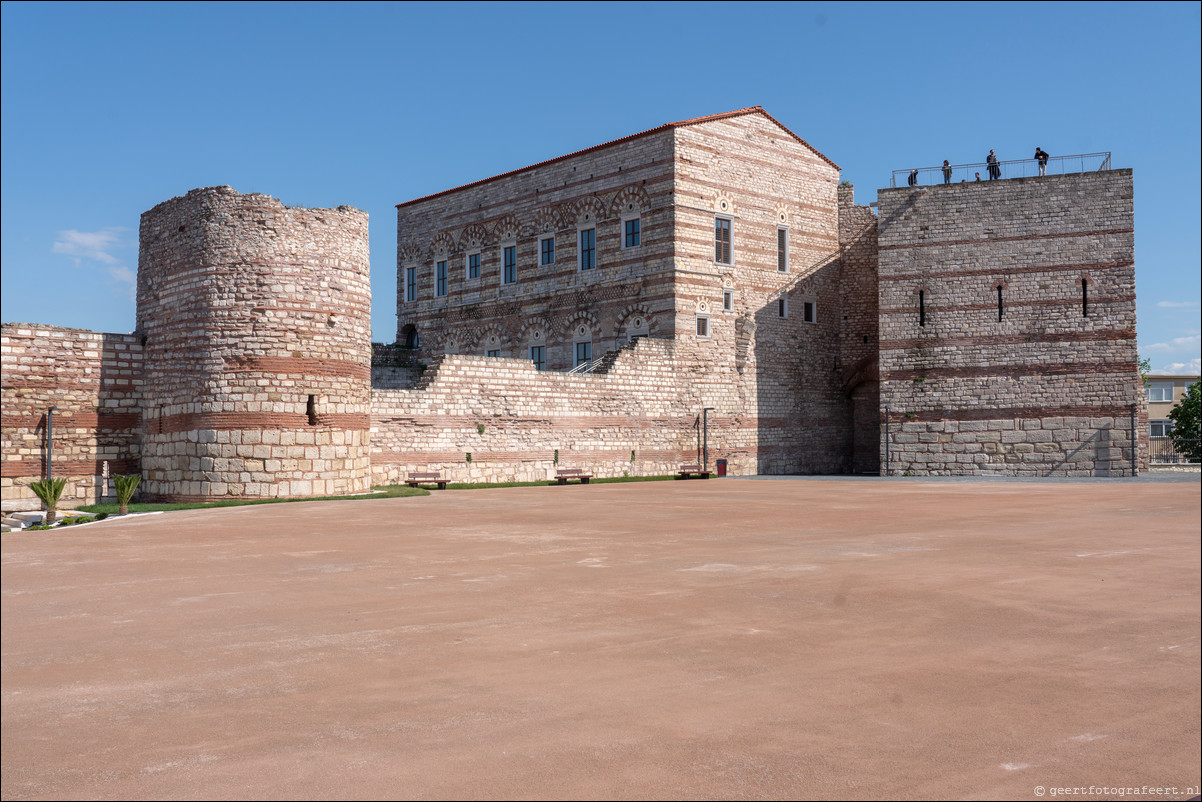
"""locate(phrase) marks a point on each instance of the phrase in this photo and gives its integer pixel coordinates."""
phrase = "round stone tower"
(256, 327)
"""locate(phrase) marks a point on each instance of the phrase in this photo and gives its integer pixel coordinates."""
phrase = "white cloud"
(1192, 367)
(1176, 304)
(92, 245)
(1175, 344)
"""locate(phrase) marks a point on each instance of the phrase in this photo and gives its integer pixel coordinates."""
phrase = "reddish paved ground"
(728, 639)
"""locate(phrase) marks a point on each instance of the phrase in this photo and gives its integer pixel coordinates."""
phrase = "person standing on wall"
(947, 172)
(914, 177)
(995, 171)
(1042, 158)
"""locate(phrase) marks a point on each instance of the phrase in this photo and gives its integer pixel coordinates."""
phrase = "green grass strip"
(381, 491)
(386, 491)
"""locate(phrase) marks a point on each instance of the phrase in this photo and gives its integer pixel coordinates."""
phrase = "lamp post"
(50, 443)
(705, 451)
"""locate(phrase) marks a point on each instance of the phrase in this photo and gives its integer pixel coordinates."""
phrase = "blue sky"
(109, 109)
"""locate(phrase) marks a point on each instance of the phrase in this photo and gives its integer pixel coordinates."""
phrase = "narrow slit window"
(999, 303)
(922, 308)
(1084, 298)
(311, 410)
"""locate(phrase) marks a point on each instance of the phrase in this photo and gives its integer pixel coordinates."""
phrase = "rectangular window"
(509, 264)
(1160, 391)
(495, 352)
(721, 240)
(922, 307)
(411, 284)
(584, 353)
(728, 300)
(473, 265)
(809, 311)
(782, 307)
(538, 355)
(782, 250)
(546, 250)
(440, 286)
(703, 326)
(1160, 428)
(999, 303)
(1084, 298)
(631, 236)
(588, 248)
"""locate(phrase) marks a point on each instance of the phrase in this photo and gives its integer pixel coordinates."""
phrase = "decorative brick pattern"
(960, 310)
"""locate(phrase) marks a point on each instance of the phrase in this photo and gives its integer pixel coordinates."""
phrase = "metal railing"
(587, 367)
(1162, 451)
(1019, 168)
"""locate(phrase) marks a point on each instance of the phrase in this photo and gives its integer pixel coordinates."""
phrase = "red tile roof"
(664, 127)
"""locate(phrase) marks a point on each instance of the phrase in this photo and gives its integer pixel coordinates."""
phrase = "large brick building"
(710, 283)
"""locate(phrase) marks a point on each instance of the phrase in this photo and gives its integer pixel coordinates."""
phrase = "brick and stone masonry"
(94, 380)
(1007, 326)
(782, 375)
(256, 319)
(995, 321)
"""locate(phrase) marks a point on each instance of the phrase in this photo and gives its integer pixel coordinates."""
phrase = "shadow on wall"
(805, 417)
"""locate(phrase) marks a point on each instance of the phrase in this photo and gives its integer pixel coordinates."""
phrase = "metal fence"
(1020, 168)
(1162, 451)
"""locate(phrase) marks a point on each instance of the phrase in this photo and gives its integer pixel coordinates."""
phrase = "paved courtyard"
(721, 639)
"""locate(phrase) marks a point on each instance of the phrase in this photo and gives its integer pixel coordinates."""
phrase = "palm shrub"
(126, 486)
(49, 491)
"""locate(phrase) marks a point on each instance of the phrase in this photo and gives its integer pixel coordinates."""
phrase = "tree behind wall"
(1185, 417)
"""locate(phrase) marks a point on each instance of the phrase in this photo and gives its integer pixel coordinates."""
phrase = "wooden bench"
(564, 474)
(688, 471)
(416, 479)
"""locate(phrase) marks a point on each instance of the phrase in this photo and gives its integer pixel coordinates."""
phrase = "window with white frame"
(1160, 428)
(782, 307)
(703, 325)
(546, 249)
(809, 310)
(587, 248)
(632, 236)
(538, 355)
(584, 353)
(410, 283)
(722, 240)
(782, 249)
(440, 278)
(728, 300)
(1160, 391)
(509, 264)
(473, 264)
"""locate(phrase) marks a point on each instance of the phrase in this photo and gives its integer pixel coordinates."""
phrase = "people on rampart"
(995, 170)
(914, 177)
(947, 172)
(1042, 157)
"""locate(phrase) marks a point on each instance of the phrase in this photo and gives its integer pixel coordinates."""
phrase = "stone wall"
(749, 170)
(858, 333)
(993, 356)
(256, 320)
(94, 380)
(641, 416)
